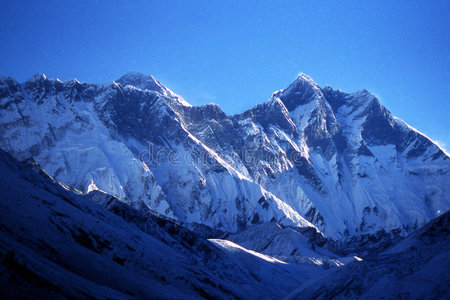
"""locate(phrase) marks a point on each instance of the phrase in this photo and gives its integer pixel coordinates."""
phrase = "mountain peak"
(141, 81)
(37, 77)
(137, 75)
(302, 77)
(148, 82)
(301, 91)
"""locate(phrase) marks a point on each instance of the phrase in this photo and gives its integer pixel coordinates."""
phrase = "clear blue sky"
(236, 53)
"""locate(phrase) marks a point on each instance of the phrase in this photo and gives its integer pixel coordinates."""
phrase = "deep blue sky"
(236, 53)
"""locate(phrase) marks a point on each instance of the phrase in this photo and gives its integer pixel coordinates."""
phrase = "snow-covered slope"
(308, 157)
(415, 268)
(55, 243)
(290, 244)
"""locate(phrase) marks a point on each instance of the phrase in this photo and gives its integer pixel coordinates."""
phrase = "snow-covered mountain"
(308, 157)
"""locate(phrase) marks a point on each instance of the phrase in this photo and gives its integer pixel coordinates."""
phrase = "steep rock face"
(56, 123)
(340, 160)
(134, 144)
